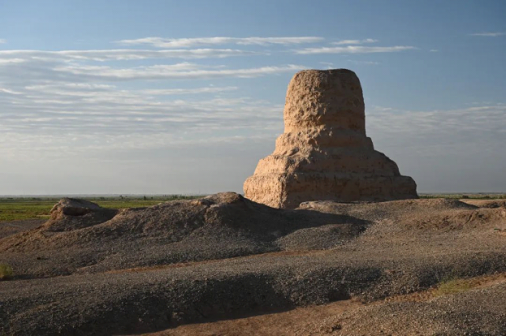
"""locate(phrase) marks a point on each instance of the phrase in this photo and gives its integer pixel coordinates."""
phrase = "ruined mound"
(324, 153)
(71, 213)
(497, 203)
(442, 215)
(400, 210)
(94, 239)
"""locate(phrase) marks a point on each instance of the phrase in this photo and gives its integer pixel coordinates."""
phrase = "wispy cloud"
(489, 34)
(465, 129)
(175, 71)
(347, 42)
(433, 50)
(3, 90)
(46, 119)
(120, 54)
(95, 90)
(107, 111)
(168, 92)
(55, 99)
(3, 41)
(328, 65)
(31, 67)
(10, 60)
(160, 42)
(363, 62)
(352, 50)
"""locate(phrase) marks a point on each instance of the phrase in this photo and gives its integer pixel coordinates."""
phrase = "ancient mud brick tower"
(324, 153)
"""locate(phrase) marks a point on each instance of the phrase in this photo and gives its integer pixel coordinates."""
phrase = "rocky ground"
(13, 227)
(92, 271)
(424, 313)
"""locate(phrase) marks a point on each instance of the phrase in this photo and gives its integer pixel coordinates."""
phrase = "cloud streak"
(47, 119)
(72, 102)
(160, 42)
(176, 71)
(352, 50)
(489, 34)
(32, 67)
(433, 132)
(363, 62)
(347, 42)
(120, 54)
(93, 90)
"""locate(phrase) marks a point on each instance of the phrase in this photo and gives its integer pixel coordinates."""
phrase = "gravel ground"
(477, 312)
(421, 313)
(223, 256)
(12, 227)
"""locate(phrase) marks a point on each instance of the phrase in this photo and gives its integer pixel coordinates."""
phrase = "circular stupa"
(324, 153)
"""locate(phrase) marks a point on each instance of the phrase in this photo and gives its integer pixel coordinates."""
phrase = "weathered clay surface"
(72, 213)
(73, 207)
(324, 153)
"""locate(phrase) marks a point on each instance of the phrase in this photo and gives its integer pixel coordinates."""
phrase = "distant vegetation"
(466, 196)
(454, 286)
(18, 208)
(5, 271)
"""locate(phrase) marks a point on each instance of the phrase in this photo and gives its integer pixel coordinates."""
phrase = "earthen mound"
(442, 215)
(324, 153)
(487, 203)
(73, 207)
(223, 225)
(71, 213)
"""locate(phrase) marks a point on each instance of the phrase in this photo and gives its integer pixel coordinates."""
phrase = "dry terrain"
(416, 313)
(223, 265)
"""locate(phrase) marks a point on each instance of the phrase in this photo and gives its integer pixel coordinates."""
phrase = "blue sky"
(149, 97)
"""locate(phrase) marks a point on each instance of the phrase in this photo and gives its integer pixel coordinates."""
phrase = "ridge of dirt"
(496, 203)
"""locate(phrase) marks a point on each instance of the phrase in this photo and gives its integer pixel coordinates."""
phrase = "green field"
(483, 196)
(18, 208)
